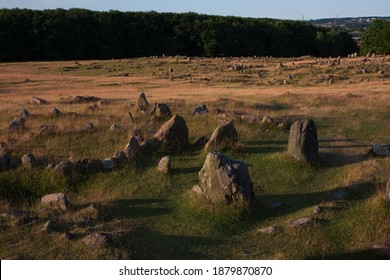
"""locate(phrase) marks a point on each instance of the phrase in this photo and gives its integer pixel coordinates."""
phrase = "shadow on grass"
(264, 146)
(144, 243)
(297, 201)
(367, 254)
(138, 208)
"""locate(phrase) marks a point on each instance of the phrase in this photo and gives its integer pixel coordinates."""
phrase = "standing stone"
(39, 101)
(161, 111)
(17, 123)
(225, 180)
(131, 148)
(65, 168)
(173, 133)
(142, 102)
(165, 165)
(200, 110)
(54, 112)
(28, 161)
(56, 200)
(110, 163)
(267, 120)
(24, 114)
(224, 136)
(302, 142)
(387, 191)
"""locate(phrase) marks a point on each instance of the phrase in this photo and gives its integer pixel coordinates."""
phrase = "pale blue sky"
(283, 9)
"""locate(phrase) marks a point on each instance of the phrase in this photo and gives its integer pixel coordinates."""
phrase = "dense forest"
(376, 39)
(83, 34)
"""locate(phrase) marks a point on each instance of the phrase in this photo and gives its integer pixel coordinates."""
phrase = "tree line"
(83, 34)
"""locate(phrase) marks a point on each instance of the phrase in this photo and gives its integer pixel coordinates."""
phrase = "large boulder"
(29, 161)
(142, 102)
(131, 148)
(173, 133)
(161, 111)
(224, 136)
(223, 179)
(56, 200)
(303, 142)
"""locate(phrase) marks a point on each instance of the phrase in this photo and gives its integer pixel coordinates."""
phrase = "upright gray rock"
(131, 148)
(142, 102)
(110, 163)
(16, 123)
(165, 165)
(65, 168)
(56, 200)
(39, 101)
(161, 111)
(200, 110)
(24, 114)
(28, 161)
(224, 136)
(225, 180)
(302, 142)
(54, 112)
(173, 133)
(387, 191)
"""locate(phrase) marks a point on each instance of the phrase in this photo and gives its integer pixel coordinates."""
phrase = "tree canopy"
(83, 34)
(376, 39)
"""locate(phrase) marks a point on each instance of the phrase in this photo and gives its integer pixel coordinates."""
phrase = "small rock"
(200, 110)
(317, 209)
(302, 222)
(97, 240)
(381, 150)
(117, 128)
(69, 236)
(39, 101)
(161, 111)
(17, 123)
(12, 214)
(268, 230)
(142, 102)
(54, 112)
(110, 163)
(88, 126)
(65, 168)
(49, 226)
(56, 200)
(198, 190)
(267, 120)
(28, 161)
(24, 114)
(131, 148)
(165, 165)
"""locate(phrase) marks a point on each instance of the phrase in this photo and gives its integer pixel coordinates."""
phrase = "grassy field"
(156, 216)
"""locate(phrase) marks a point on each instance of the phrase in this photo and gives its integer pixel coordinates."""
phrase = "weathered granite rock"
(131, 148)
(142, 102)
(302, 222)
(56, 200)
(303, 142)
(225, 180)
(161, 111)
(224, 137)
(173, 133)
(165, 165)
(28, 161)
(65, 168)
(97, 240)
(200, 110)
(110, 163)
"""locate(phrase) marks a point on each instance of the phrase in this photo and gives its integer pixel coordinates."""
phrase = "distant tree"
(376, 39)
